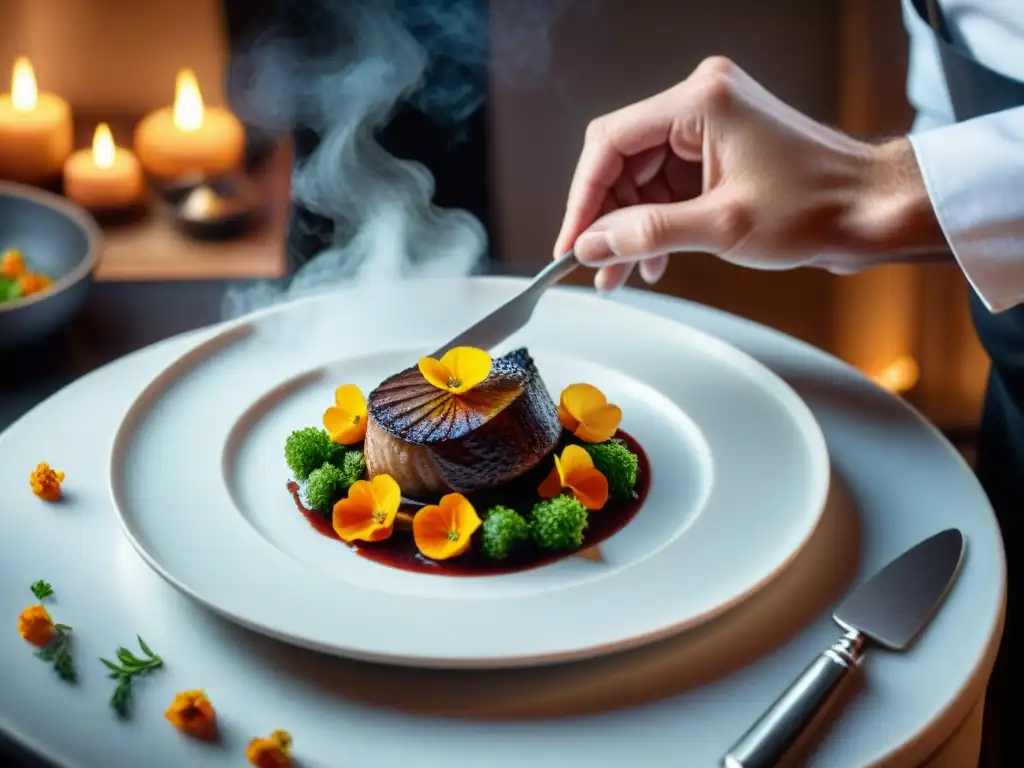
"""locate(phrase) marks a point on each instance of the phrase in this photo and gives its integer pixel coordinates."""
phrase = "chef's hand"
(717, 164)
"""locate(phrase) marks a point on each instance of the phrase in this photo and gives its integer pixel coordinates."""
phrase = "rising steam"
(386, 227)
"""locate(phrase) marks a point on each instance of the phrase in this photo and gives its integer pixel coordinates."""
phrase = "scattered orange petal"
(46, 482)
(575, 471)
(274, 751)
(584, 411)
(345, 421)
(12, 264)
(445, 530)
(459, 369)
(192, 713)
(368, 512)
(36, 626)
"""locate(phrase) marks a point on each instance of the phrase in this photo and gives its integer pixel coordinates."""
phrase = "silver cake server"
(890, 609)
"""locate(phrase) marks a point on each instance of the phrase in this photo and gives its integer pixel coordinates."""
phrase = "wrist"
(891, 213)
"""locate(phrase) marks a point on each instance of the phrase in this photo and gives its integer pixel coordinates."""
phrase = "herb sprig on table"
(58, 650)
(58, 653)
(125, 672)
(42, 589)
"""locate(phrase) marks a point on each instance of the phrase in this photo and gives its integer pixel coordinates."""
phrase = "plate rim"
(810, 431)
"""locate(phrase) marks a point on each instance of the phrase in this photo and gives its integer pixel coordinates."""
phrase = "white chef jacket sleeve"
(974, 175)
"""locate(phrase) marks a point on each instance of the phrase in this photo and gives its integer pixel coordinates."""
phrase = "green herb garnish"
(9, 289)
(58, 653)
(42, 589)
(130, 667)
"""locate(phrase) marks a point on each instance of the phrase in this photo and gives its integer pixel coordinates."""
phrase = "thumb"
(706, 224)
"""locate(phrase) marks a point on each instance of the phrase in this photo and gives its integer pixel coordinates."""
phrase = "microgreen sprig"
(42, 589)
(58, 653)
(130, 667)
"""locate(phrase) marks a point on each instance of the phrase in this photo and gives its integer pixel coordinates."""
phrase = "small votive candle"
(189, 138)
(105, 177)
(36, 133)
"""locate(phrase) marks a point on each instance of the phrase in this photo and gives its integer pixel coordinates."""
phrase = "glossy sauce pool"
(400, 551)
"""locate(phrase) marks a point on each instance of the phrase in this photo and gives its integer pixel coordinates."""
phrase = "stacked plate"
(739, 476)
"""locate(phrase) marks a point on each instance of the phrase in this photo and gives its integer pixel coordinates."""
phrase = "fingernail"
(592, 249)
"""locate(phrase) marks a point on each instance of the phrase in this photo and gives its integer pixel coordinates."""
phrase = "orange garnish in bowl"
(575, 471)
(32, 282)
(368, 512)
(444, 530)
(345, 421)
(459, 369)
(585, 411)
(12, 264)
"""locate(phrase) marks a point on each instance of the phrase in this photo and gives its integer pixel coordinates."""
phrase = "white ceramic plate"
(739, 476)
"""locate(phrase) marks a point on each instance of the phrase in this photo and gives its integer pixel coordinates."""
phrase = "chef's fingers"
(671, 123)
(711, 223)
(612, 277)
(652, 270)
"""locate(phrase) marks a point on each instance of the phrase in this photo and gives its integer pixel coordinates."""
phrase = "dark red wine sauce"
(400, 551)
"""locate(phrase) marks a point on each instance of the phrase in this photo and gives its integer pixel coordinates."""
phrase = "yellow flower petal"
(349, 398)
(551, 486)
(468, 365)
(567, 420)
(345, 421)
(387, 497)
(584, 411)
(575, 470)
(573, 459)
(445, 530)
(458, 371)
(577, 399)
(368, 512)
(435, 372)
(590, 488)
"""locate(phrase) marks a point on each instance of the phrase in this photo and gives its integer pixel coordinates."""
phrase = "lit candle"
(189, 138)
(105, 177)
(35, 129)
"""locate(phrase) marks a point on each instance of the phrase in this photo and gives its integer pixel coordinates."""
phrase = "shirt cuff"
(972, 172)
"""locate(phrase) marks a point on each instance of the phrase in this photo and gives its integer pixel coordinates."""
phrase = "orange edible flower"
(345, 421)
(575, 470)
(368, 512)
(36, 626)
(444, 530)
(584, 411)
(274, 751)
(46, 482)
(32, 282)
(12, 265)
(459, 369)
(192, 713)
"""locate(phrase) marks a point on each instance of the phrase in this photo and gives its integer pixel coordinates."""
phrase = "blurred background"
(508, 157)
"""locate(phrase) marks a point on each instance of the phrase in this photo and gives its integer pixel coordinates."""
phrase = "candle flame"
(24, 93)
(103, 148)
(188, 102)
(900, 375)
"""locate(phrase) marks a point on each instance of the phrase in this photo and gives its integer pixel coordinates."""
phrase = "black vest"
(976, 90)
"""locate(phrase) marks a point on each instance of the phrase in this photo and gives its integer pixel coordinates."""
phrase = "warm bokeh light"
(188, 102)
(103, 147)
(899, 376)
(24, 93)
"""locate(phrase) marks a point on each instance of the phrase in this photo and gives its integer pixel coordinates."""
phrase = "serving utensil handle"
(774, 735)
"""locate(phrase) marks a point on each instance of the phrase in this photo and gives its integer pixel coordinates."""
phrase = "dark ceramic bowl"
(57, 239)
